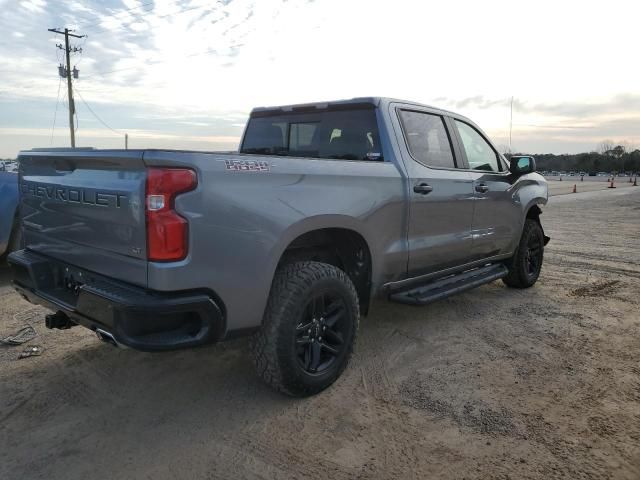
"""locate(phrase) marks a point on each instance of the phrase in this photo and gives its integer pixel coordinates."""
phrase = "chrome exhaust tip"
(106, 337)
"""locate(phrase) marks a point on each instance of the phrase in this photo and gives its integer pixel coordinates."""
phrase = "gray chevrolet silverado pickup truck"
(324, 207)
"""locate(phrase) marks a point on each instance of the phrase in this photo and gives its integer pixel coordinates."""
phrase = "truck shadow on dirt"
(80, 377)
(5, 274)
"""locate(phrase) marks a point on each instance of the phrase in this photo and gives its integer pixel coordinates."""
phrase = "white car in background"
(8, 166)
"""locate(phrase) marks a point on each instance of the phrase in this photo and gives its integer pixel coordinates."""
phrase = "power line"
(81, 49)
(55, 114)
(95, 115)
(63, 99)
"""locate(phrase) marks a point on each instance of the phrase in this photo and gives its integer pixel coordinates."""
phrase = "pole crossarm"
(55, 30)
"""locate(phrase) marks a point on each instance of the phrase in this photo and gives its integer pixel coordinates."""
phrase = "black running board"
(445, 287)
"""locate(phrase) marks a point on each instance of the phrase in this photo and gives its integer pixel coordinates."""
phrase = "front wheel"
(526, 264)
(308, 330)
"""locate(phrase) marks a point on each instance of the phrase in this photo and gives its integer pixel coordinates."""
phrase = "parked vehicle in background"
(326, 206)
(8, 166)
(9, 225)
(603, 174)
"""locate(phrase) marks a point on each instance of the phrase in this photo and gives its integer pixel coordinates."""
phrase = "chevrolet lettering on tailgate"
(73, 195)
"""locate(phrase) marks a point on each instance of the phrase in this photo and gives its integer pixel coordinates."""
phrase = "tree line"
(608, 158)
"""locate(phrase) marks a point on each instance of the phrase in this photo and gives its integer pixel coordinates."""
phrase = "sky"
(185, 73)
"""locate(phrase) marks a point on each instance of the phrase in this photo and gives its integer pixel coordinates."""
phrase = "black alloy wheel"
(321, 332)
(533, 255)
(526, 264)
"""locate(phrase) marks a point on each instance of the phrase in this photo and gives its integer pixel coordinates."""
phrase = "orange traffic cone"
(611, 185)
(574, 188)
(635, 181)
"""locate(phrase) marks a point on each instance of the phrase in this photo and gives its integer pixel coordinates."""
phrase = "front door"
(441, 195)
(497, 214)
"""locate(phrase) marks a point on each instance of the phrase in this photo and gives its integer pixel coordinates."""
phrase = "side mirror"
(522, 164)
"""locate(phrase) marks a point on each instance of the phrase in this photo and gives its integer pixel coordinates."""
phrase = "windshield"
(342, 134)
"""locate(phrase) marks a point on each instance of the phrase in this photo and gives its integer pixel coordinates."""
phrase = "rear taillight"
(167, 232)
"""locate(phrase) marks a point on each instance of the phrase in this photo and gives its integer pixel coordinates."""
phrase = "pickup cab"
(324, 207)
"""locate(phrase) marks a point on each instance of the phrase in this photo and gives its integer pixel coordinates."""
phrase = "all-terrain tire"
(273, 346)
(522, 273)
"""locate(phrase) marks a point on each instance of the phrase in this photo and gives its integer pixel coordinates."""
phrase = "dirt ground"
(495, 383)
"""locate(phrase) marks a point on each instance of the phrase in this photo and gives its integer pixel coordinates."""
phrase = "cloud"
(209, 62)
(620, 103)
(477, 101)
(34, 6)
(581, 124)
(624, 102)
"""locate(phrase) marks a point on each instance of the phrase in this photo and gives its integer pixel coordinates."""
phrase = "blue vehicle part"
(8, 206)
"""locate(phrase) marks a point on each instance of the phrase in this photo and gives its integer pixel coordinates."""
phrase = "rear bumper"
(137, 318)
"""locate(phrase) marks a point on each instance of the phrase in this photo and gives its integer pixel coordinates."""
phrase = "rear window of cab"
(345, 134)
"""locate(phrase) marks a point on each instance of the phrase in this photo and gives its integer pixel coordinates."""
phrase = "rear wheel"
(308, 330)
(525, 266)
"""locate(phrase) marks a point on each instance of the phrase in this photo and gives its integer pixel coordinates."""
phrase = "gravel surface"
(589, 184)
(494, 383)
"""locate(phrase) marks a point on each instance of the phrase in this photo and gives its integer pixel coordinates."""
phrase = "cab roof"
(339, 104)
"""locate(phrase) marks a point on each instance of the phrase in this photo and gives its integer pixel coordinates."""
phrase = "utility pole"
(511, 125)
(67, 50)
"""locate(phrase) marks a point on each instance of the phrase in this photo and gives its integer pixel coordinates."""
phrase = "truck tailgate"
(86, 208)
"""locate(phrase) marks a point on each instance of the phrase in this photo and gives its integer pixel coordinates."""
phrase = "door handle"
(422, 188)
(482, 188)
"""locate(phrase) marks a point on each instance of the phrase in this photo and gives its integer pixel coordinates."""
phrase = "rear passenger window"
(427, 138)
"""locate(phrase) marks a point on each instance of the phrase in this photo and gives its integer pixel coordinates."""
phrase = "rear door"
(441, 195)
(86, 208)
(497, 211)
